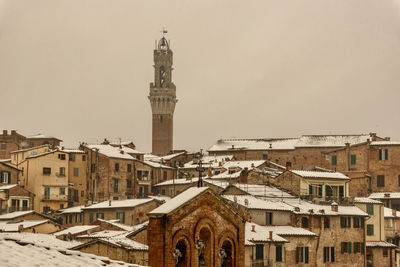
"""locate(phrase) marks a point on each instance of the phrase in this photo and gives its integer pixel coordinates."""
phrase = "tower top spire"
(163, 44)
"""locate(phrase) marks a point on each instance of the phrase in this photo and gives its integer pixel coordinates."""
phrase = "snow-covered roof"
(160, 198)
(156, 164)
(288, 143)
(15, 214)
(103, 234)
(263, 190)
(385, 195)
(15, 255)
(7, 187)
(252, 202)
(76, 209)
(41, 136)
(44, 240)
(259, 235)
(125, 242)
(208, 161)
(177, 182)
(13, 226)
(317, 174)
(250, 164)
(225, 175)
(380, 244)
(306, 207)
(111, 151)
(76, 229)
(112, 204)
(117, 224)
(220, 183)
(388, 213)
(71, 150)
(286, 230)
(385, 143)
(179, 200)
(27, 149)
(366, 200)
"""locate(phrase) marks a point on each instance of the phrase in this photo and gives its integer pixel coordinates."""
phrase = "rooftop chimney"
(233, 146)
(109, 203)
(288, 165)
(386, 195)
(253, 228)
(394, 213)
(14, 132)
(270, 235)
(20, 228)
(387, 138)
(4, 132)
(373, 136)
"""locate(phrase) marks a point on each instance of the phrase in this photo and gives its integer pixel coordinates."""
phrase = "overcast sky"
(80, 70)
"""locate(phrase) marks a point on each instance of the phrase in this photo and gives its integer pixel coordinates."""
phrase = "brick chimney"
(13, 132)
(387, 138)
(109, 203)
(373, 136)
(5, 132)
(270, 235)
(253, 228)
(394, 213)
(243, 175)
(288, 165)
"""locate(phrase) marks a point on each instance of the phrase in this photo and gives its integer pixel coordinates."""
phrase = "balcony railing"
(15, 208)
(55, 197)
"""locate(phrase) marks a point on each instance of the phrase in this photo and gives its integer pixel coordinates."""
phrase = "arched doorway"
(228, 254)
(183, 260)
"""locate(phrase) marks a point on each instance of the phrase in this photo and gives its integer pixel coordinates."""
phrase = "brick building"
(196, 227)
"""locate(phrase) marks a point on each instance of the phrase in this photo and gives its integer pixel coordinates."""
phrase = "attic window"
(304, 222)
(3, 146)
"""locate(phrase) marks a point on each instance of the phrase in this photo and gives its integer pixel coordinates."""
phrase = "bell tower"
(162, 99)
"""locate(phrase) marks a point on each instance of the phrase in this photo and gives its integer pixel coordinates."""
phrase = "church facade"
(196, 228)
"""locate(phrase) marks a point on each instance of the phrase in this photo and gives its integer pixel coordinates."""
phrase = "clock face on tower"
(162, 76)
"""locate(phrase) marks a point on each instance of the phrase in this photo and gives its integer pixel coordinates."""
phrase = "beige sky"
(80, 70)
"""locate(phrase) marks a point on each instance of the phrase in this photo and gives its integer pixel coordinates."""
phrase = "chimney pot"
(394, 213)
(109, 202)
(288, 165)
(270, 235)
(4, 132)
(253, 228)
(13, 132)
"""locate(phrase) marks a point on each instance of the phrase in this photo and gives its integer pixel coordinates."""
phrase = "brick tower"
(162, 99)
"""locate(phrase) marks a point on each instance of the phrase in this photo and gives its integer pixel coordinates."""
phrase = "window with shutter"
(278, 250)
(306, 255)
(334, 160)
(380, 181)
(353, 159)
(349, 244)
(332, 254)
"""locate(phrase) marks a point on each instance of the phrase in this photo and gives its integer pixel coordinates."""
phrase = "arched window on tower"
(162, 76)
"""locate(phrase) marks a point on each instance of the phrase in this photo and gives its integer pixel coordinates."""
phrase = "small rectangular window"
(129, 183)
(329, 254)
(268, 218)
(3, 146)
(90, 217)
(99, 215)
(72, 157)
(370, 209)
(385, 252)
(334, 160)
(327, 222)
(380, 180)
(61, 156)
(62, 190)
(62, 172)
(116, 167)
(83, 158)
(129, 167)
(165, 175)
(370, 229)
(278, 252)
(383, 154)
(357, 222)
(353, 159)
(76, 172)
(46, 171)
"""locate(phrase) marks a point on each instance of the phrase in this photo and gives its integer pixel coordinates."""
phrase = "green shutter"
(386, 154)
(342, 247)
(320, 190)
(362, 247)
(355, 244)
(325, 254)
(349, 247)
(332, 254)
(310, 189)
(380, 154)
(297, 254)
(306, 255)
(353, 159)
